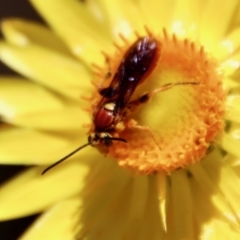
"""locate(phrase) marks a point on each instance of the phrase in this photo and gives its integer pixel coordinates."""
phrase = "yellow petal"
(22, 32)
(207, 192)
(26, 104)
(180, 17)
(232, 104)
(69, 120)
(232, 161)
(151, 9)
(233, 132)
(230, 83)
(152, 226)
(162, 189)
(228, 45)
(213, 23)
(180, 205)
(84, 33)
(61, 73)
(31, 192)
(123, 17)
(131, 203)
(19, 97)
(227, 181)
(186, 17)
(139, 190)
(233, 114)
(236, 74)
(57, 223)
(26, 146)
(230, 144)
(230, 66)
(215, 230)
(209, 219)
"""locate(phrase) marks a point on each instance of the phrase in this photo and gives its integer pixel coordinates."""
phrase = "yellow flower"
(90, 196)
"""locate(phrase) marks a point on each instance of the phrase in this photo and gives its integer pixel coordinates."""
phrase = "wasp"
(115, 103)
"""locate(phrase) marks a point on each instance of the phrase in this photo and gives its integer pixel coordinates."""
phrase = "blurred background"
(11, 230)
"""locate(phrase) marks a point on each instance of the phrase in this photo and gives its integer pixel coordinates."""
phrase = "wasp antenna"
(64, 158)
(185, 83)
(119, 139)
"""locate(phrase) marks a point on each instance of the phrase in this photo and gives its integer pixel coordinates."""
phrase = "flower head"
(183, 113)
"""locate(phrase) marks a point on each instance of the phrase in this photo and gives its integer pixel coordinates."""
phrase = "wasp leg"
(144, 98)
(109, 72)
(107, 75)
(132, 124)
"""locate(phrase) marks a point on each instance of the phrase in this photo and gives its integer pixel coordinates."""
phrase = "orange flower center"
(176, 125)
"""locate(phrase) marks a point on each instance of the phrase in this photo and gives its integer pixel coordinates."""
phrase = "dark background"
(11, 230)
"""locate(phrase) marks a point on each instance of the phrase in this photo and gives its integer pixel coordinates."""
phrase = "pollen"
(182, 113)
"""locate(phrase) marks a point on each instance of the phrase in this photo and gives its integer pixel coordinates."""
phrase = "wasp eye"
(92, 138)
(107, 141)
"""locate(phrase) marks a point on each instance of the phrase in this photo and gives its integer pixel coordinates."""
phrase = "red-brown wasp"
(115, 104)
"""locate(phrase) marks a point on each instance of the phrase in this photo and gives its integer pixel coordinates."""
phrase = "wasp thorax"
(110, 106)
